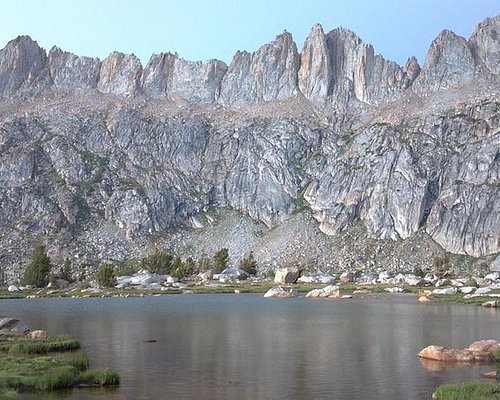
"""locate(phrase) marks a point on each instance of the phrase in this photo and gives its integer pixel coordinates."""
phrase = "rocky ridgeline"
(337, 65)
(111, 159)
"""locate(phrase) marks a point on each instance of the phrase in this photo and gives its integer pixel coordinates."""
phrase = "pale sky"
(200, 30)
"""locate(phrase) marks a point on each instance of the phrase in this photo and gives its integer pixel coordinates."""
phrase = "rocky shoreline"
(287, 283)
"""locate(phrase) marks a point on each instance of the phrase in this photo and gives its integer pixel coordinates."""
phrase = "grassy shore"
(46, 364)
(469, 391)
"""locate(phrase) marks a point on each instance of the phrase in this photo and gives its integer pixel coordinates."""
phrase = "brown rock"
(440, 353)
(488, 345)
(38, 334)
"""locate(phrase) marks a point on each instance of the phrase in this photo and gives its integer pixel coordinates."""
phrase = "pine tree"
(204, 263)
(37, 271)
(249, 264)
(105, 276)
(221, 260)
(178, 268)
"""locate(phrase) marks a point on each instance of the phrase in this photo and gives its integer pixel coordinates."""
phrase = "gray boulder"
(446, 291)
(279, 292)
(286, 275)
(331, 291)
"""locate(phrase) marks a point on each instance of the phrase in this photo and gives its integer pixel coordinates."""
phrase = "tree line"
(38, 272)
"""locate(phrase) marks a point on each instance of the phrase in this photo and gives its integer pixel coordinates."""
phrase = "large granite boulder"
(287, 275)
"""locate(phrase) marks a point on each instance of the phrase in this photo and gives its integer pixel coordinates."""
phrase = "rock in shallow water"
(280, 293)
(331, 292)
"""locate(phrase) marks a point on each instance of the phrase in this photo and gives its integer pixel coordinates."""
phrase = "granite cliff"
(331, 155)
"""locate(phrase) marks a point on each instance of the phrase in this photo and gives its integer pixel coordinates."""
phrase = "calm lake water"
(248, 347)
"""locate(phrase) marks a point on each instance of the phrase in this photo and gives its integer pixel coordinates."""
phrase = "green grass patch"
(495, 356)
(101, 377)
(46, 364)
(44, 347)
(469, 391)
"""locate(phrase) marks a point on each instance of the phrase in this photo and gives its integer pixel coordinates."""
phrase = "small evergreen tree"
(159, 263)
(65, 271)
(37, 271)
(221, 260)
(189, 266)
(105, 275)
(249, 264)
(178, 268)
(204, 263)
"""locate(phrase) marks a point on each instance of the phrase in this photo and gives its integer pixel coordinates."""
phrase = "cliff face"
(102, 158)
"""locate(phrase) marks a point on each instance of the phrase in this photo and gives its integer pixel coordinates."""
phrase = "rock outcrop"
(269, 73)
(316, 70)
(106, 158)
(486, 46)
(71, 73)
(23, 68)
(168, 75)
(120, 74)
(449, 63)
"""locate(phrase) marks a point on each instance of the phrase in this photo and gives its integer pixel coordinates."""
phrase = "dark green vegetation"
(469, 391)
(249, 264)
(105, 275)
(221, 260)
(37, 271)
(46, 364)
